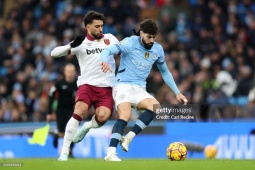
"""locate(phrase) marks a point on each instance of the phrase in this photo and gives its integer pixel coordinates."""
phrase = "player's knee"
(156, 103)
(80, 109)
(153, 105)
(80, 112)
(103, 116)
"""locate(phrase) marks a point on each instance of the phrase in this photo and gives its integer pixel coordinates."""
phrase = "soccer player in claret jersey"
(138, 54)
(94, 87)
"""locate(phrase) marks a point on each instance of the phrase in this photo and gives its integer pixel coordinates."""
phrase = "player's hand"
(105, 67)
(181, 99)
(77, 41)
(48, 118)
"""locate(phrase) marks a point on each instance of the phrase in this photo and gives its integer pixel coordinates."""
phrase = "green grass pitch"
(128, 164)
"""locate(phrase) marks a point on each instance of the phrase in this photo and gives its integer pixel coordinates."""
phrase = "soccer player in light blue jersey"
(138, 54)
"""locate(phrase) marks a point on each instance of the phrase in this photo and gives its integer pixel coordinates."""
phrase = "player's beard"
(97, 36)
(146, 45)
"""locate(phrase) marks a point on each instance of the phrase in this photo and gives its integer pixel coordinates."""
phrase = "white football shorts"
(129, 93)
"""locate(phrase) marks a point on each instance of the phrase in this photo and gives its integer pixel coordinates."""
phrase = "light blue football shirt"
(136, 62)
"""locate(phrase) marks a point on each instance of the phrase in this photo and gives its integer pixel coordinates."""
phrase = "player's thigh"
(122, 93)
(148, 103)
(81, 108)
(83, 100)
(124, 110)
(103, 102)
(144, 100)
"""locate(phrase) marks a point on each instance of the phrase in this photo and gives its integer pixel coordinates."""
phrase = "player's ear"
(88, 27)
(141, 33)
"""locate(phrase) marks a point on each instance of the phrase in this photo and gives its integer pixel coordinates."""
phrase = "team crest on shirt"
(146, 55)
(154, 57)
(122, 96)
(107, 41)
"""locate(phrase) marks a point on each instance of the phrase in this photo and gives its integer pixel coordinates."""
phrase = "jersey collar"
(89, 37)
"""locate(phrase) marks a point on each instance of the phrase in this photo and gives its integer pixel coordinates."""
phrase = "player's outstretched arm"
(168, 78)
(104, 57)
(60, 51)
(64, 50)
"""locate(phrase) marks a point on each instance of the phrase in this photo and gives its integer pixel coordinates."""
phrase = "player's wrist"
(177, 92)
(72, 45)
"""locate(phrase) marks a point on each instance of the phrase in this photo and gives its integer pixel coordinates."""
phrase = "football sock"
(96, 122)
(117, 132)
(142, 122)
(70, 131)
(93, 123)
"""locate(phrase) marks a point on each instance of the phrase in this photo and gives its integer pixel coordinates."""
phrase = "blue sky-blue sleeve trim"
(160, 62)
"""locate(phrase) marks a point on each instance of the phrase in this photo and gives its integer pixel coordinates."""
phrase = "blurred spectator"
(226, 83)
(251, 96)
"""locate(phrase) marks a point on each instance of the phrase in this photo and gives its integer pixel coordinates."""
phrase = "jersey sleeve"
(125, 45)
(75, 51)
(60, 51)
(115, 40)
(168, 77)
(161, 58)
(122, 47)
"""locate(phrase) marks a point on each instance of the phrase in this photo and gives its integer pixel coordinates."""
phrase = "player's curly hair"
(149, 26)
(92, 15)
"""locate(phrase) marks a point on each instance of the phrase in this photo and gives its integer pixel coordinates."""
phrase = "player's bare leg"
(142, 122)
(79, 111)
(99, 119)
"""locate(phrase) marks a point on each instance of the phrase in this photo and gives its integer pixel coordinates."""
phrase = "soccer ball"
(176, 151)
(210, 151)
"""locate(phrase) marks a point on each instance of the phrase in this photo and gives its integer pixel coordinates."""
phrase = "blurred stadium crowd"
(209, 47)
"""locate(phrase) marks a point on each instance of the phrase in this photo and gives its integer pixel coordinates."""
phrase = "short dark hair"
(92, 15)
(149, 26)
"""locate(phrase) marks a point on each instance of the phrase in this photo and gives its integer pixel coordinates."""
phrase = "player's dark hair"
(92, 15)
(149, 26)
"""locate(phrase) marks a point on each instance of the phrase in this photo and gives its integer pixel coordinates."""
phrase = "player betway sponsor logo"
(235, 146)
(94, 51)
